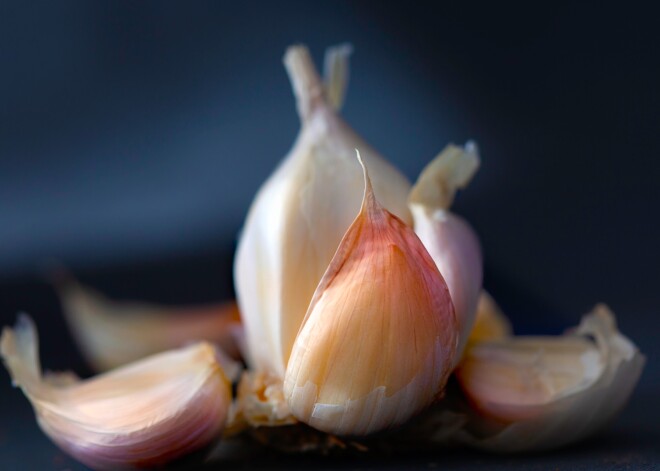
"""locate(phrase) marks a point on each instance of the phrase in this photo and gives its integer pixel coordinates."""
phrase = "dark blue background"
(133, 136)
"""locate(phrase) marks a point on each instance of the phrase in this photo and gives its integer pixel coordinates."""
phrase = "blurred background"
(133, 136)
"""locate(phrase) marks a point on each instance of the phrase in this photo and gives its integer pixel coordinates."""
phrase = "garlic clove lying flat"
(142, 415)
(534, 393)
(378, 341)
(302, 211)
(449, 239)
(113, 333)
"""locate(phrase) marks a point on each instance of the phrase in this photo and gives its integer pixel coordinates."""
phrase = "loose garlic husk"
(449, 239)
(113, 333)
(534, 393)
(300, 214)
(379, 338)
(142, 415)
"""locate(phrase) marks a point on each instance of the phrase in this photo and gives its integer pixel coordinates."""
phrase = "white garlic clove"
(449, 239)
(535, 393)
(113, 333)
(300, 214)
(378, 341)
(142, 415)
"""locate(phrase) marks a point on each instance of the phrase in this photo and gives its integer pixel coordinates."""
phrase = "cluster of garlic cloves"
(358, 296)
(302, 249)
(142, 415)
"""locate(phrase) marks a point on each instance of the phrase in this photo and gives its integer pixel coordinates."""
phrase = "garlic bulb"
(378, 341)
(112, 333)
(449, 239)
(300, 214)
(142, 415)
(533, 393)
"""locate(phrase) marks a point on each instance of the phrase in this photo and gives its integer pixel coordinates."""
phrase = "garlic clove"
(300, 214)
(489, 323)
(142, 415)
(534, 393)
(112, 333)
(378, 341)
(449, 239)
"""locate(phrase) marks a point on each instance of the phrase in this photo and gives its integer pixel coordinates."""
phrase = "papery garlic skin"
(449, 239)
(142, 415)
(537, 393)
(300, 214)
(378, 341)
(113, 333)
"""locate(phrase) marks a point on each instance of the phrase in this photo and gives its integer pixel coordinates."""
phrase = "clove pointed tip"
(369, 199)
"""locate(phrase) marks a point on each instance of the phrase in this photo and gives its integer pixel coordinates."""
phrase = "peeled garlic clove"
(489, 323)
(300, 214)
(449, 239)
(112, 333)
(378, 341)
(534, 393)
(142, 415)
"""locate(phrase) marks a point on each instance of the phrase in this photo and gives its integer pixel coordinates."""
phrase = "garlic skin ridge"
(540, 393)
(378, 341)
(113, 333)
(449, 239)
(142, 415)
(302, 211)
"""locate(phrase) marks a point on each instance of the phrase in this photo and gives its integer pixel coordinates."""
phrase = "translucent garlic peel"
(548, 392)
(141, 415)
(113, 333)
(378, 341)
(300, 214)
(449, 239)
